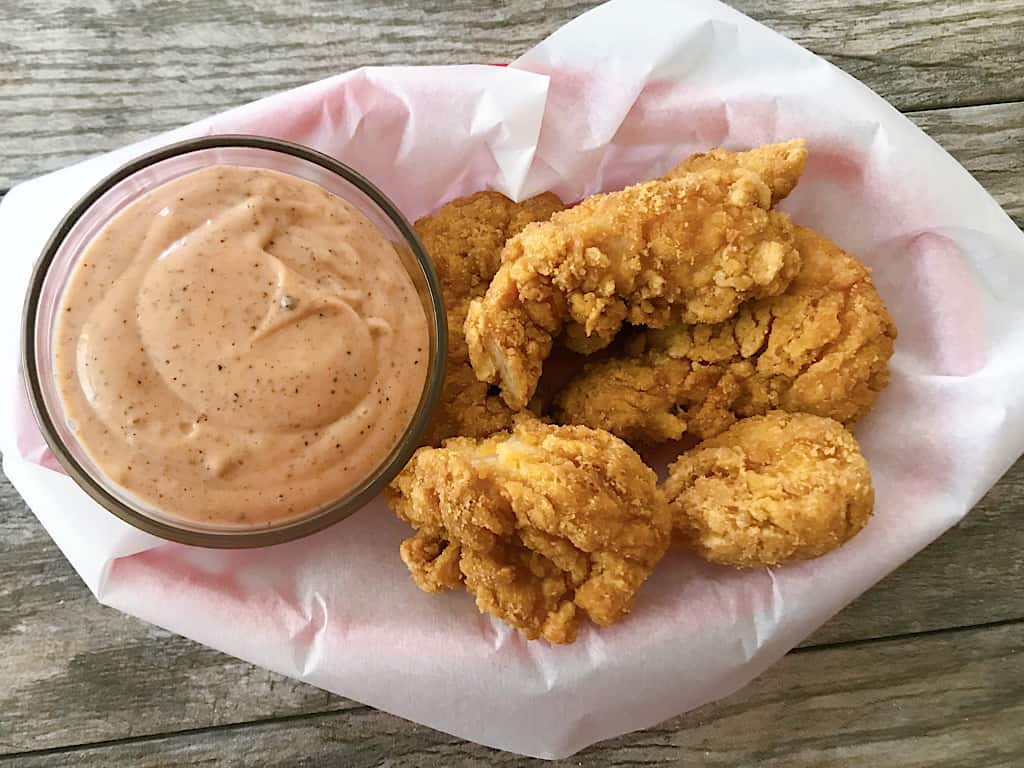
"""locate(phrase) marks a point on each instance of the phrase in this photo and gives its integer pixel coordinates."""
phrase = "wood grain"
(972, 575)
(918, 54)
(72, 670)
(76, 672)
(86, 77)
(989, 142)
(945, 700)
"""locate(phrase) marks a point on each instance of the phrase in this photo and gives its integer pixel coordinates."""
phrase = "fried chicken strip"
(822, 347)
(464, 239)
(779, 165)
(770, 490)
(691, 248)
(541, 524)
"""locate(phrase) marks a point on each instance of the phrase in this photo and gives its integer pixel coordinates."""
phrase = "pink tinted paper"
(618, 95)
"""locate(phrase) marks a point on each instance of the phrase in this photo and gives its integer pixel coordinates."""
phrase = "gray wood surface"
(988, 141)
(949, 699)
(85, 77)
(82, 77)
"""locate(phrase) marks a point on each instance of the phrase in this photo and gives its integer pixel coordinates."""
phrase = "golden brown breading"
(780, 165)
(464, 239)
(822, 347)
(539, 524)
(465, 236)
(691, 248)
(770, 490)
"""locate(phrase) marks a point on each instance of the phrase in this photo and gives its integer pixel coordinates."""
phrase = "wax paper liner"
(617, 95)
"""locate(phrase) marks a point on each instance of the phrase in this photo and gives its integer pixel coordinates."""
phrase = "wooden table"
(926, 669)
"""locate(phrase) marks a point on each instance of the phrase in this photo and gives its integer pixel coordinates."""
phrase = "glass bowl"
(112, 195)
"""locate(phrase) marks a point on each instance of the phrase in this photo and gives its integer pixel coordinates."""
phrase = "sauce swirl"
(240, 347)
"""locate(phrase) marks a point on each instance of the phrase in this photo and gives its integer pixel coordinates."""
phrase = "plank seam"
(104, 743)
(924, 633)
(950, 106)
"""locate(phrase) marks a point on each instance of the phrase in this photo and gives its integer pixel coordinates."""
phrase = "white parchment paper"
(620, 94)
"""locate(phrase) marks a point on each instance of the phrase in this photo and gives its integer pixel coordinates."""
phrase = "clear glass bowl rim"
(256, 537)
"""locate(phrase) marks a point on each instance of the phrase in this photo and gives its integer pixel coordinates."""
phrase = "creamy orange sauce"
(240, 346)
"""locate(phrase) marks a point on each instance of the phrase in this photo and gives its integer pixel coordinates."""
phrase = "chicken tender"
(464, 239)
(770, 490)
(542, 524)
(691, 249)
(822, 347)
(779, 165)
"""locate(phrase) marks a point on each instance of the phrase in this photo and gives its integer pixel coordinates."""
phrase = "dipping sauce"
(240, 347)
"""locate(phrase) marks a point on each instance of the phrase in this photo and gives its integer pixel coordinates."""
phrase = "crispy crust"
(692, 248)
(770, 490)
(779, 165)
(464, 239)
(542, 524)
(822, 347)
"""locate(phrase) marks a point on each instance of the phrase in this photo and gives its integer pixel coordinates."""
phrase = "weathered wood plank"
(973, 134)
(951, 699)
(81, 78)
(74, 671)
(972, 575)
(107, 74)
(918, 54)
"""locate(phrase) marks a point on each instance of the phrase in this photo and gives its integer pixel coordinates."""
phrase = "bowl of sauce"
(233, 341)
